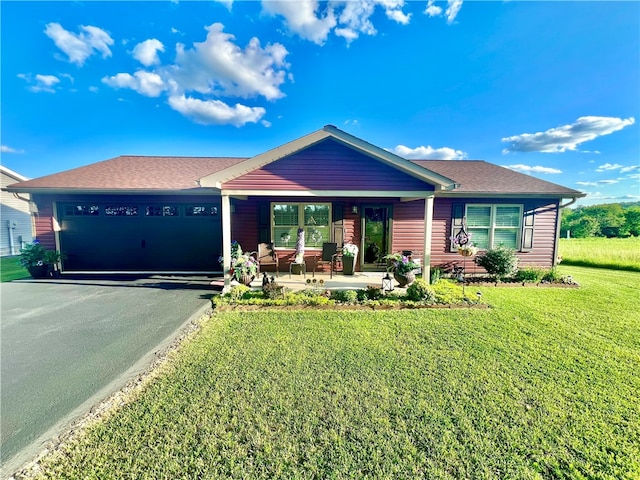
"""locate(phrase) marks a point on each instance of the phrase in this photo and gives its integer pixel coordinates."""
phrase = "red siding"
(328, 165)
(544, 232)
(44, 222)
(408, 227)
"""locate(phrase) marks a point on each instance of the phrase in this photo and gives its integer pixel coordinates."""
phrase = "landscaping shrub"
(344, 296)
(530, 274)
(373, 292)
(500, 262)
(272, 290)
(551, 275)
(238, 292)
(420, 291)
(448, 292)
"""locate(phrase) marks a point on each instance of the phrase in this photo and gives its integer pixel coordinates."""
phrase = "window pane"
(285, 236)
(478, 216)
(285, 215)
(121, 210)
(505, 237)
(480, 237)
(316, 215)
(315, 236)
(507, 216)
(161, 211)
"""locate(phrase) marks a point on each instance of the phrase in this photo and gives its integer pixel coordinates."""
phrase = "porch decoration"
(387, 284)
(299, 258)
(403, 268)
(285, 237)
(349, 256)
(244, 268)
(461, 241)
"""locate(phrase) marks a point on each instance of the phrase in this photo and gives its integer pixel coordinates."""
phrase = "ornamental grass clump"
(499, 262)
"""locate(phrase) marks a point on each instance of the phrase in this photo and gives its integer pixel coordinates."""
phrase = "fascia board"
(85, 191)
(330, 193)
(450, 194)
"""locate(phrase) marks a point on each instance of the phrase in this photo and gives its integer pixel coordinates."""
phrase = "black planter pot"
(348, 265)
(39, 271)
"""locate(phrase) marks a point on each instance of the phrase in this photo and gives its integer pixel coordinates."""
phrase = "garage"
(144, 234)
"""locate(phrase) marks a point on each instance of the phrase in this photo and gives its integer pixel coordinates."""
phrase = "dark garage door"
(148, 237)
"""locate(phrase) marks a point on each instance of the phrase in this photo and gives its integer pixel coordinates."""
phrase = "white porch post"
(428, 231)
(226, 241)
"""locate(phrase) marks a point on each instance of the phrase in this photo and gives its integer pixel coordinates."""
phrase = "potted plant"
(403, 268)
(39, 261)
(349, 255)
(244, 268)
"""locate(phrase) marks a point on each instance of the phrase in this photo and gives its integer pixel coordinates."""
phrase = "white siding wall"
(13, 212)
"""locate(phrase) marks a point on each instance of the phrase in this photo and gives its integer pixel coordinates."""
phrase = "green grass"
(10, 269)
(614, 253)
(543, 385)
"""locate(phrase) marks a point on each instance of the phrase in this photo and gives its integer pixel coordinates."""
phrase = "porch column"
(428, 230)
(226, 242)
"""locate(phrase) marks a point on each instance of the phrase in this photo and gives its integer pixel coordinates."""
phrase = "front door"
(376, 225)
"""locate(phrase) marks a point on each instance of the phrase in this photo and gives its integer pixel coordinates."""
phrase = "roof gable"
(218, 179)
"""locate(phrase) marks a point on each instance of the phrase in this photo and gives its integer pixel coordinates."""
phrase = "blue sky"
(551, 89)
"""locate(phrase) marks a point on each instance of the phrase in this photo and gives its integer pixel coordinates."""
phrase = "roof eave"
(556, 195)
(113, 191)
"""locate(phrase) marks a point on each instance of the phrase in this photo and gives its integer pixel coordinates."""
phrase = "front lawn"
(616, 253)
(543, 385)
(10, 269)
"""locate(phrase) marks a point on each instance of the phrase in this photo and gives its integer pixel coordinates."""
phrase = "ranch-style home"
(179, 215)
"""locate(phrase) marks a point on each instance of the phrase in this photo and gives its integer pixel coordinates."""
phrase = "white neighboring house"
(16, 227)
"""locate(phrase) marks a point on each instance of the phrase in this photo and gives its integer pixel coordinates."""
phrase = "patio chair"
(330, 255)
(266, 256)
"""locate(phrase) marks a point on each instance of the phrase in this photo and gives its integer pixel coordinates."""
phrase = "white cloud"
(629, 169)
(215, 68)
(7, 149)
(566, 137)
(634, 175)
(147, 52)
(608, 166)
(314, 21)
(145, 83)
(424, 153)
(215, 112)
(453, 7)
(533, 169)
(303, 19)
(432, 9)
(94, 89)
(81, 46)
(40, 83)
(587, 184)
(606, 182)
(218, 65)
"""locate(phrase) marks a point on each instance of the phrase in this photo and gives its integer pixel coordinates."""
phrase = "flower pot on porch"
(246, 279)
(297, 268)
(404, 279)
(348, 265)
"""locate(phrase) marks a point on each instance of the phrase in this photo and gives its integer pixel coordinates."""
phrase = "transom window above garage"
(71, 210)
(200, 210)
(161, 211)
(121, 210)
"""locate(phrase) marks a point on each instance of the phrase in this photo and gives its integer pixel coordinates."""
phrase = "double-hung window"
(494, 225)
(287, 218)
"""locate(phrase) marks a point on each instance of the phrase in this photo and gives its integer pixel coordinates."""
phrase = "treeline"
(612, 220)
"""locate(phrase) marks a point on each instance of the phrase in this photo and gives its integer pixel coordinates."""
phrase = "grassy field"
(543, 385)
(10, 269)
(616, 253)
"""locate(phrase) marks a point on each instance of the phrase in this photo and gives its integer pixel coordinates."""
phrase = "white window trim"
(492, 227)
(301, 206)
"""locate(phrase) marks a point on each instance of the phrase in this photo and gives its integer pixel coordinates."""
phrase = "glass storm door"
(376, 241)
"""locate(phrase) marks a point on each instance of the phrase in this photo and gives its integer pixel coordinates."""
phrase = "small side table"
(302, 265)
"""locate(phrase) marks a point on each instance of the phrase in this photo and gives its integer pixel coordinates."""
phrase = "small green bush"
(420, 291)
(344, 296)
(238, 292)
(551, 275)
(500, 262)
(448, 292)
(272, 290)
(530, 274)
(373, 292)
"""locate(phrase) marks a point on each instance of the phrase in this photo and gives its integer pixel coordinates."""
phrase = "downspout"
(11, 225)
(558, 225)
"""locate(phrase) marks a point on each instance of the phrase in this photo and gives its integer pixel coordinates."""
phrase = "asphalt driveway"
(66, 344)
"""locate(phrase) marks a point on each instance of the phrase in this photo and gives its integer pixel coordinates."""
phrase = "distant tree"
(632, 220)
